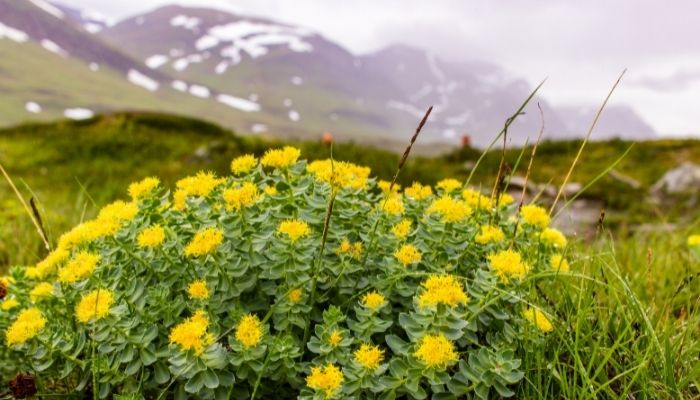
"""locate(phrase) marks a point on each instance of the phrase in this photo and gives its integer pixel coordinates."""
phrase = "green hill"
(73, 168)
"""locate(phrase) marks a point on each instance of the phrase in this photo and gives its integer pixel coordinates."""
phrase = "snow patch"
(92, 27)
(238, 103)
(296, 80)
(94, 67)
(12, 34)
(206, 42)
(33, 107)
(424, 91)
(405, 107)
(182, 63)
(190, 23)
(294, 115)
(53, 47)
(49, 8)
(96, 16)
(180, 86)
(287, 103)
(156, 60)
(253, 97)
(200, 91)
(78, 113)
(221, 67)
(142, 80)
(258, 128)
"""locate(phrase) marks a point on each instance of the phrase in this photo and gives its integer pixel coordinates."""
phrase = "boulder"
(683, 179)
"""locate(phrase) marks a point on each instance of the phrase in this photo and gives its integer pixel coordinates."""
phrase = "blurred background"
(96, 93)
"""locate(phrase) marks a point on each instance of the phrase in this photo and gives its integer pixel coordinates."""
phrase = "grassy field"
(630, 310)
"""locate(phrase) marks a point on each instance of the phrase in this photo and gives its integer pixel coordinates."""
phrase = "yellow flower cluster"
(294, 229)
(354, 249)
(553, 237)
(335, 338)
(192, 334)
(280, 158)
(369, 356)
(508, 265)
(328, 379)
(402, 229)
(694, 240)
(94, 305)
(249, 331)
(450, 209)
(239, 197)
(243, 164)
(373, 300)
(204, 242)
(489, 234)
(27, 325)
(475, 199)
(41, 291)
(80, 267)
(442, 289)
(418, 191)
(393, 205)
(436, 351)
(49, 265)
(340, 173)
(449, 185)
(539, 319)
(8, 304)
(107, 223)
(198, 290)
(200, 185)
(142, 188)
(408, 254)
(384, 186)
(535, 215)
(152, 236)
(559, 263)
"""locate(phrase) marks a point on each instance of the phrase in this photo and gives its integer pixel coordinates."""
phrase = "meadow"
(625, 316)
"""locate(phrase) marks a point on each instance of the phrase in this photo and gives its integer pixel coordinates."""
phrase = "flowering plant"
(287, 279)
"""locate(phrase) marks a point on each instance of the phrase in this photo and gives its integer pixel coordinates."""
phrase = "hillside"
(73, 167)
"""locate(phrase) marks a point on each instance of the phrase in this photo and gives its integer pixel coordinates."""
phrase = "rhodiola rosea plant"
(286, 279)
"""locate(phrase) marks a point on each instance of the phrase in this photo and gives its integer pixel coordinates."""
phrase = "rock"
(682, 179)
(571, 189)
(627, 180)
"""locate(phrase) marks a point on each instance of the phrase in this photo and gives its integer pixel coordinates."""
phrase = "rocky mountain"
(263, 76)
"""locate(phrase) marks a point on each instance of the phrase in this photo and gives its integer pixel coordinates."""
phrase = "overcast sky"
(581, 46)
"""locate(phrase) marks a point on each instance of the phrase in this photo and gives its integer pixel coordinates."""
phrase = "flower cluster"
(244, 285)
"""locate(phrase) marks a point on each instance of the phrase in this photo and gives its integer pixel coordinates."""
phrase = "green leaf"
(211, 380)
(195, 383)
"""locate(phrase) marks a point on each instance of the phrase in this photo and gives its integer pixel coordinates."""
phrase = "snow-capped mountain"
(260, 75)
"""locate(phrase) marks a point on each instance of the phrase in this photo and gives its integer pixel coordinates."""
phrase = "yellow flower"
(335, 338)
(475, 199)
(200, 185)
(9, 304)
(408, 254)
(295, 295)
(27, 325)
(198, 290)
(41, 291)
(294, 229)
(539, 319)
(249, 331)
(508, 265)
(384, 186)
(328, 379)
(88, 231)
(505, 200)
(152, 236)
(80, 267)
(535, 215)
(436, 351)
(270, 190)
(118, 211)
(354, 249)
(340, 173)
(142, 188)
(418, 191)
(6, 281)
(243, 164)
(204, 242)
(449, 209)
(373, 300)
(48, 265)
(244, 196)
(694, 240)
(559, 263)
(554, 237)
(369, 356)
(402, 229)
(449, 185)
(191, 334)
(280, 158)
(392, 206)
(94, 305)
(489, 233)
(442, 289)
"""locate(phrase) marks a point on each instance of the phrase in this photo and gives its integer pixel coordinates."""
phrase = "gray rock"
(682, 179)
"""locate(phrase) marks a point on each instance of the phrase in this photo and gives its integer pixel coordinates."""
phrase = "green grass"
(628, 312)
